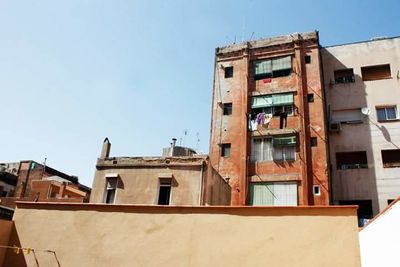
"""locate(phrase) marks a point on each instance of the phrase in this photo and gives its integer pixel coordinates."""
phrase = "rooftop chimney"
(105, 151)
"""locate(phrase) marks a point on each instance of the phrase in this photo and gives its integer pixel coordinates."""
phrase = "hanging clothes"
(267, 120)
(260, 118)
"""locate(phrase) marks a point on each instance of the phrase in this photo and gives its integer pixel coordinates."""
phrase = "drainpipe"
(202, 185)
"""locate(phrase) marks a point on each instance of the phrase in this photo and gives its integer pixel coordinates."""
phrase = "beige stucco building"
(128, 235)
(362, 84)
(168, 180)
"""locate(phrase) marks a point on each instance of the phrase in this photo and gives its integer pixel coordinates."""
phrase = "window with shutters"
(273, 149)
(272, 68)
(272, 104)
(273, 194)
(377, 72)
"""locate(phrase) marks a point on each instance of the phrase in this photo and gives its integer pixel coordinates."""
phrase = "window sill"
(387, 78)
(394, 120)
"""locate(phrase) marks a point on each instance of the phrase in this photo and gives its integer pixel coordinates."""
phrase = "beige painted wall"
(123, 235)
(5, 230)
(376, 183)
(140, 185)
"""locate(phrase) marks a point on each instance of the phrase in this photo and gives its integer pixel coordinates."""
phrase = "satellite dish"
(366, 111)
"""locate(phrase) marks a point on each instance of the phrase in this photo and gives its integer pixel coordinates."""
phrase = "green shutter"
(282, 99)
(261, 101)
(284, 141)
(262, 67)
(283, 63)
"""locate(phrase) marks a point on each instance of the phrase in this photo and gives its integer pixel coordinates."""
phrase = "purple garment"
(260, 118)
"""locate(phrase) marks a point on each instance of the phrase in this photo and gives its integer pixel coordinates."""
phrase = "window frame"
(389, 164)
(162, 184)
(341, 77)
(385, 108)
(365, 69)
(274, 149)
(225, 147)
(350, 166)
(227, 109)
(228, 72)
(109, 189)
(273, 73)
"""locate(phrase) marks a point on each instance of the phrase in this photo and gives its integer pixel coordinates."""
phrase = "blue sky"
(139, 72)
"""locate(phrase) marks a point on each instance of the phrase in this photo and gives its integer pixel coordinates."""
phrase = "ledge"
(270, 132)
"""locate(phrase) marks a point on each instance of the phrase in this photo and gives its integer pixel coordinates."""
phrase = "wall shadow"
(350, 186)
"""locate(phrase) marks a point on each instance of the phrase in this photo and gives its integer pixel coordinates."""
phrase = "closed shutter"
(273, 194)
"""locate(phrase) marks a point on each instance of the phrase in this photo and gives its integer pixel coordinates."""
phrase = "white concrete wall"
(379, 241)
(376, 183)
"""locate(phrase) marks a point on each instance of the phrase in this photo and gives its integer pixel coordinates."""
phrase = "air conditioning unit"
(335, 127)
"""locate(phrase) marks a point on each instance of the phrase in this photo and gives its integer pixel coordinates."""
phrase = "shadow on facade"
(353, 183)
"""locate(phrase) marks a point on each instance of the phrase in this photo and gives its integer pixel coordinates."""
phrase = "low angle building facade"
(362, 84)
(183, 179)
(268, 135)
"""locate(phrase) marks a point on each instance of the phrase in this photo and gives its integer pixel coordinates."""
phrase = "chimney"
(172, 147)
(105, 151)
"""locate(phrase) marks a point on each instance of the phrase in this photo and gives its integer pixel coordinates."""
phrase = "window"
(273, 194)
(389, 201)
(228, 109)
(307, 59)
(273, 149)
(386, 113)
(344, 76)
(164, 192)
(349, 116)
(310, 98)
(228, 72)
(313, 141)
(3, 194)
(316, 190)
(111, 188)
(272, 68)
(391, 158)
(378, 72)
(351, 160)
(225, 150)
(272, 104)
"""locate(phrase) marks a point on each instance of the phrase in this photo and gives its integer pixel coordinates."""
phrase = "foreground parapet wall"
(126, 235)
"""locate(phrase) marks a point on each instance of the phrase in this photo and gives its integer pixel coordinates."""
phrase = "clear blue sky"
(138, 72)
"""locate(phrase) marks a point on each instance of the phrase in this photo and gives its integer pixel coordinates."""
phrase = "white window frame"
(107, 177)
(273, 158)
(386, 113)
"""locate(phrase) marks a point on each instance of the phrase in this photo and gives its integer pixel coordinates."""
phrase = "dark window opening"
(364, 210)
(386, 113)
(228, 109)
(378, 72)
(389, 201)
(228, 72)
(313, 141)
(310, 98)
(164, 194)
(225, 150)
(4, 193)
(307, 59)
(351, 160)
(317, 190)
(111, 188)
(391, 158)
(344, 76)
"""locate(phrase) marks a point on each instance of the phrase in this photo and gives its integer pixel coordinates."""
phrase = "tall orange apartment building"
(268, 132)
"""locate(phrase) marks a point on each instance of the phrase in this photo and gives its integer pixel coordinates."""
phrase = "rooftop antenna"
(197, 141)
(185, 132)
(252, 34)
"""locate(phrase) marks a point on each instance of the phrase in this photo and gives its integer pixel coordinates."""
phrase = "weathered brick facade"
(309, 169)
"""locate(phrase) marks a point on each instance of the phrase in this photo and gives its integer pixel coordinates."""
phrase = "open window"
(377, 72)
(391, 158)
(226, 150)
(228, 72)
(351, 160)
(111, 189)
(282, 148)
(272, 68)
(227, 108)
(164, 191)
(344, 76)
